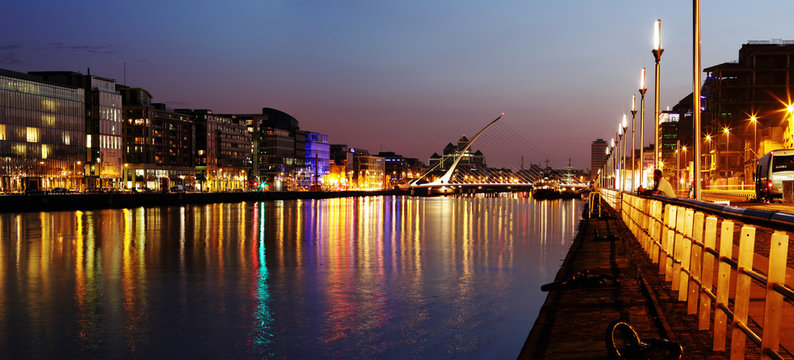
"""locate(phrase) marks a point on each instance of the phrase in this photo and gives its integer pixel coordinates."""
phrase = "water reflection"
(386, 277)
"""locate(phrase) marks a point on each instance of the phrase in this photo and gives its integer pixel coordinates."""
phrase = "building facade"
(746, 108)
(471, 162)
(42, 133)
(340, 175)
(368, 171)
(318, 155)
(223, 151)
(159, 144)
(103, 126)
(278, 147)
(597, 156)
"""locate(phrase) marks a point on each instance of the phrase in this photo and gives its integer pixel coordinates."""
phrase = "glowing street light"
(727, 133)
(754, 120)
(633, 126)
(624, 126)
(657, 55)
(643, 89)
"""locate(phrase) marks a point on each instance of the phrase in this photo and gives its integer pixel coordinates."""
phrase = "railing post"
(723, 286)
(658, 225)
(685, 255)
(669, 224)
(695, 264)
(649, 209)
(709, 242)
(644, 230)
(742, 299)
(673, 250)
(773, 312)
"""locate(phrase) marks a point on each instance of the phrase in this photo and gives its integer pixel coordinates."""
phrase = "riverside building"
(102, 164)
(223, 151)
(746, 111)
(42, 133)
(158, 144)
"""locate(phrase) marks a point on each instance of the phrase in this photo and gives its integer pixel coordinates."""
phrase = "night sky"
(398, 75)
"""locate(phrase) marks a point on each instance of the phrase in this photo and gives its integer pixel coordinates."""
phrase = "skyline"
(402, 76)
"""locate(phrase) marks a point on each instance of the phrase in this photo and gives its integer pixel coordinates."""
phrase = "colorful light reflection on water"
(373, 277)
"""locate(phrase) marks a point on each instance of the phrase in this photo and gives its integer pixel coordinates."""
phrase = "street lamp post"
(677, 166)
(633, 126)
(620, 157)
(605, 173)
(754, 120)
(614, 165)
(686, 163)
(727, 149)
(710, 162)
(624, 126)
(696, 171)
(643, 89)
(657, 55)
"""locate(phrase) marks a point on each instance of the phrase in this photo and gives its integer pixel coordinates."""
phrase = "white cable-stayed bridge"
(459, 173)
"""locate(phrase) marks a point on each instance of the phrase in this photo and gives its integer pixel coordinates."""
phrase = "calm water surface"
(375, 277)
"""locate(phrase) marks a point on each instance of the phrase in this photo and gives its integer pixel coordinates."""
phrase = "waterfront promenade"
(572, 322)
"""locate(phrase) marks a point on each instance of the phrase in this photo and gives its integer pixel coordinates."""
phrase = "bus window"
(783, 163)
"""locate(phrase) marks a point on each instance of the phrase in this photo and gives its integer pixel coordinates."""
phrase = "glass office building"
(42, 133)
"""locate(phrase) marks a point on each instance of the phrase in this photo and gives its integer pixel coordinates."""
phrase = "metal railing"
(682, 239)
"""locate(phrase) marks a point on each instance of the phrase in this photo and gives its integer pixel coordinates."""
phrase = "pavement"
(573, 321)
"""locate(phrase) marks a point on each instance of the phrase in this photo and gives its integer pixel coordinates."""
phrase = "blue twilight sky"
(399, 75)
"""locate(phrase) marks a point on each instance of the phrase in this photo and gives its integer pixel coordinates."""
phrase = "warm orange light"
(726, 131)
(790, 108)
(753, 119)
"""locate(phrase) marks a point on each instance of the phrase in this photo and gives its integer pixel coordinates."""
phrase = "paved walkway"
(572, 322)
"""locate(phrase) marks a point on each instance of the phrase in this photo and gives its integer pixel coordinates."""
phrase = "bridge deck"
(572, 323)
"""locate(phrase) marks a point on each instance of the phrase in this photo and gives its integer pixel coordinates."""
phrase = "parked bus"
(772, 169)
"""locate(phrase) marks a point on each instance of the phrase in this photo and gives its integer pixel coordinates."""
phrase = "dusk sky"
(407, 76)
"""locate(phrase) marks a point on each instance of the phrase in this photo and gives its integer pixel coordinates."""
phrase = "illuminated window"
(45, 151)
(20, 149)
(66, 139)
(48, 105)
(48, 120)
(32, 135)
(88, 141)
(3, 132)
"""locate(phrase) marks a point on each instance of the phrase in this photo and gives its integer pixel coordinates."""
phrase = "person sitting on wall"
(660, 186)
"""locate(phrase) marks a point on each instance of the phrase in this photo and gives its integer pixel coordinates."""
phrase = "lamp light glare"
(642, 80)
(657, 34)
(633, 102)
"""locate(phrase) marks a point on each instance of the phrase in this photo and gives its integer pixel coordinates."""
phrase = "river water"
(371, 277)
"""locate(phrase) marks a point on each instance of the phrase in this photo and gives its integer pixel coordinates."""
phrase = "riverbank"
(573, 320)
(81, 201)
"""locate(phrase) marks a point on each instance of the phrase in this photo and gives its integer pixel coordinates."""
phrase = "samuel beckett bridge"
(465, 176)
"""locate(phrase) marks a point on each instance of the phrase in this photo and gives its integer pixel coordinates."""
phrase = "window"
(32, 134)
